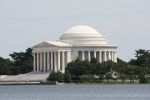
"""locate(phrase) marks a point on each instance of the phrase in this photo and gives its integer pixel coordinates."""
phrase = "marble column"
(34, 61)
(94, 54)
(44, 60)
(68, 56)
(111, 56)
(58, 59)
(52, 64)
(83, 58)
(38, 67)
(63, 62)
(48, 61)
(89, 56)
(41, 64)
(100, 56)
(55, 61)
(105, 56)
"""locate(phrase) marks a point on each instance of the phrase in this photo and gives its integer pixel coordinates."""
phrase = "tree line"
(20, 62)
(137, 69)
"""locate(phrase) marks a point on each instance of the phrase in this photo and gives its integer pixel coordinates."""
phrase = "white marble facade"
(79, 41)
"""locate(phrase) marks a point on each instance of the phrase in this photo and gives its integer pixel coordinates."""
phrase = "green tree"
(67, 77)
(142, 58)
(121, 62)
(22, 61)
(5, 66)
(56, 76)
(143, 79)
(78, 68)
(109, 65)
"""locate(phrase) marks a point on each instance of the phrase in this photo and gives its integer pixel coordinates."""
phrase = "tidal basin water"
(75, 92)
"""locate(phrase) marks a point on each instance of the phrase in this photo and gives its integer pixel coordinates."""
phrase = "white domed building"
(79, 41)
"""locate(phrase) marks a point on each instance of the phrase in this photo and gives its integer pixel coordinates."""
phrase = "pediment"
(44, 44)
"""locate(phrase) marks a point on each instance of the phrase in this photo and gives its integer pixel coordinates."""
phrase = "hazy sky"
(24, 23)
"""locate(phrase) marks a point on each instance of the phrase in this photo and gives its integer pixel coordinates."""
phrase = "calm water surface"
(75, 92)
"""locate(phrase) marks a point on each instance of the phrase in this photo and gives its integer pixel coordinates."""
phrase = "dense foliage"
(21, 62)
(93, 71)
(142, 58)
(5, 66)
(56, 76)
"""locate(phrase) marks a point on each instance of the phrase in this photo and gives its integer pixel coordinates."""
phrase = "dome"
(82, 35)
(85, 30)
(81, 31)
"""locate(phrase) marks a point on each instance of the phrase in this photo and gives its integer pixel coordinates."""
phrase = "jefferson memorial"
(79, 41)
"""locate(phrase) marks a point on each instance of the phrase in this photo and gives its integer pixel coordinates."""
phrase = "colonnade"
(50, 61)
(57, 60)
(101, 56)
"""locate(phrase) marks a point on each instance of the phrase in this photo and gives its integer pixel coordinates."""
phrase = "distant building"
(79, 41)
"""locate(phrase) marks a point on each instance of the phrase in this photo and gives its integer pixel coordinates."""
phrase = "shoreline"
(57, 83)
(29, 83)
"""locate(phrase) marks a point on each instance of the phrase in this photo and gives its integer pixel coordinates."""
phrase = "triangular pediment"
(44, 44)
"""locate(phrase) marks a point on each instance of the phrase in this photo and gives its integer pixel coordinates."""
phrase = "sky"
(24, 23)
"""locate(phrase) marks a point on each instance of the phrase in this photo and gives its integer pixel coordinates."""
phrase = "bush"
(56, 76)
(86, 78)
(67, 77)
(143, 80)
